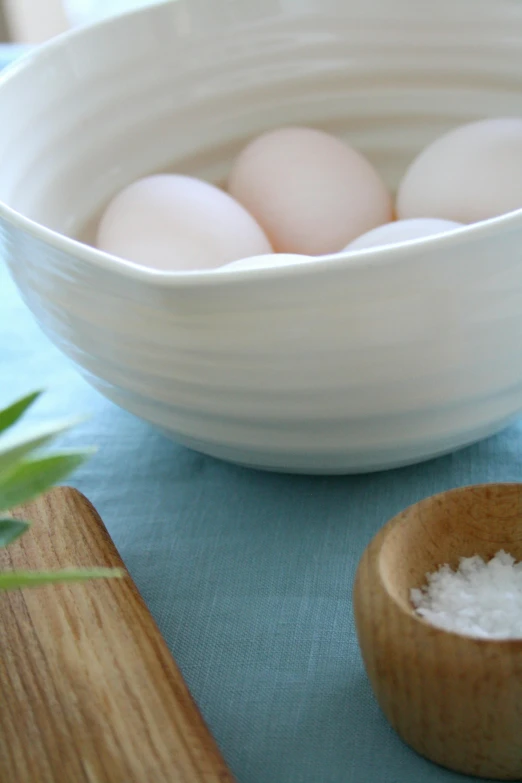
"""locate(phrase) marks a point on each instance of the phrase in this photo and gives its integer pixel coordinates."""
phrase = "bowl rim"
(415, 618)
(374, 257)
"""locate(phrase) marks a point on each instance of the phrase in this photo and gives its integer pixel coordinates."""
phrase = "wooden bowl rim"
(380, 540)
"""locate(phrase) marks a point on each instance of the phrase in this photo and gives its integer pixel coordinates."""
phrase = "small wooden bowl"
(454, 699)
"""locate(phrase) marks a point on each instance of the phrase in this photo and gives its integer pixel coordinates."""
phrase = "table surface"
(248, 575)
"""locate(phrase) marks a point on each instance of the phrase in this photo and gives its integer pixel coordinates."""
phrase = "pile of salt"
(479, 599)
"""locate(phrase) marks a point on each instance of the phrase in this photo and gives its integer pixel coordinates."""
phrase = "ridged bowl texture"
(342, 365)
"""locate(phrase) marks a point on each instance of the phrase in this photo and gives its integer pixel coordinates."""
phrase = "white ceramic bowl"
(342, 365)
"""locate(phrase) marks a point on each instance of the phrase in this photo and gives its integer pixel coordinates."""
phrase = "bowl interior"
(442, 529)
(182, 85)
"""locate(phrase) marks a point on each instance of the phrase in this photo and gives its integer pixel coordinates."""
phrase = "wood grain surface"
(89, 692)
(456, 700)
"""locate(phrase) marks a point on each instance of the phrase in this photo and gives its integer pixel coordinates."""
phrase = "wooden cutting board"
(89, 692)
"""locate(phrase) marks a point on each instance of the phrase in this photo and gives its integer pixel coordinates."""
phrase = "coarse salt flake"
(479, 599)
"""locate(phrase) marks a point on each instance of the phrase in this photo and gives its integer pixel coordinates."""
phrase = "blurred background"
(34, 21)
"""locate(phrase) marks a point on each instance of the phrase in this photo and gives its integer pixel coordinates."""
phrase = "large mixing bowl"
(341, 365)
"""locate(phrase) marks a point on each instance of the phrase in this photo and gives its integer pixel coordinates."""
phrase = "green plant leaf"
(25, 475)
(11, 580)
(15, 447)
(31, 477)
(11, 414)
(11, 529)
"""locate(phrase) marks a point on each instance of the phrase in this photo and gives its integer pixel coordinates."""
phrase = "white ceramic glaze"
(349, 364)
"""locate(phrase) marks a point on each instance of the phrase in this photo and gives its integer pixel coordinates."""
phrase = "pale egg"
(178, 223)
(402, 231)
(310, 192)
(471, 173)
(265, 262)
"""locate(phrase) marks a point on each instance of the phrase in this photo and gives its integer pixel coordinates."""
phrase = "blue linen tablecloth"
(248, 575)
